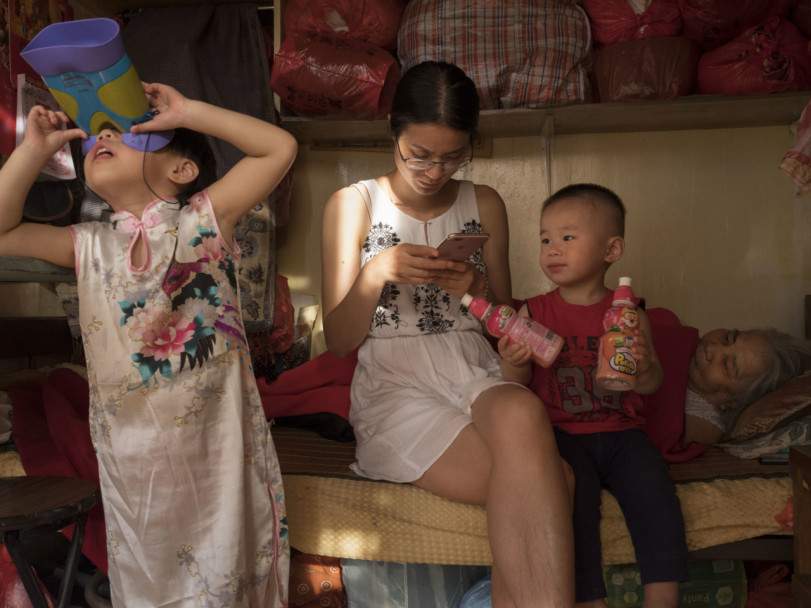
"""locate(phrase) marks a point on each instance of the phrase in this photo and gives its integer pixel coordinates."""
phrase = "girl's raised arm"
(269, 150)
(43, 137)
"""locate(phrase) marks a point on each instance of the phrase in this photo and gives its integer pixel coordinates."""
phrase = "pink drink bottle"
(616, 369)
(501, 320)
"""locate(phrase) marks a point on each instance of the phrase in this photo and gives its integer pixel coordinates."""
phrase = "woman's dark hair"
(435, 92)
(194, 146)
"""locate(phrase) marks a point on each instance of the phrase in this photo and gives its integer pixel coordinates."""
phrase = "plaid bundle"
(520, 54)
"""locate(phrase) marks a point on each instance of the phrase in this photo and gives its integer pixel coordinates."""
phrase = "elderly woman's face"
(725, 362)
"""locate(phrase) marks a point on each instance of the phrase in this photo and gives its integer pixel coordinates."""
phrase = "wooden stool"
(44, 504)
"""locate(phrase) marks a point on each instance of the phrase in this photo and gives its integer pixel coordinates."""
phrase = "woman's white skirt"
(411, 396)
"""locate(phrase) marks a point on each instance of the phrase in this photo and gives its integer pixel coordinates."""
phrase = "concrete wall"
(715, 231)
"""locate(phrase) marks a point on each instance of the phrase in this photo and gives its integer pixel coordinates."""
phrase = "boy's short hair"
(595, 191)
(194, 146)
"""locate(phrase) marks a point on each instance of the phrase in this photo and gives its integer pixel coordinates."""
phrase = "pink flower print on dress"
(169, 336)
(162, 334)
(209, 249)
(142, 319)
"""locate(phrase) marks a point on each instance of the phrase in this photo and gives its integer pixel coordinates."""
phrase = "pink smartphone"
(459, 246)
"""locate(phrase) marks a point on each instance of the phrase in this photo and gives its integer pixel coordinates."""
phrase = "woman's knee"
(509, 406)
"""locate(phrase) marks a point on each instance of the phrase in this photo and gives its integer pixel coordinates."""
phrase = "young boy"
(599, 432)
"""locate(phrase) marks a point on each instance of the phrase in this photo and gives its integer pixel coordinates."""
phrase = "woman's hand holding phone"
(459, 246)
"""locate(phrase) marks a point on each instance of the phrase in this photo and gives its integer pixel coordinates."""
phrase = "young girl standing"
(429, 405)
(192, 493)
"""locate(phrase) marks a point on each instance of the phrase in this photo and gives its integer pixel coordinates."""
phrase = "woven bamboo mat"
(331, 511)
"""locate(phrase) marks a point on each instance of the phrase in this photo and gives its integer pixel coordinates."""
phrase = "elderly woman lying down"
(731, 369)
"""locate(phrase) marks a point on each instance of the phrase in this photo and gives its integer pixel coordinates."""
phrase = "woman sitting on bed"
(732, 369)
(428, 403)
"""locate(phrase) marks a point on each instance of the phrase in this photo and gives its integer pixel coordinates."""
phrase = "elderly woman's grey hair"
(785, 358)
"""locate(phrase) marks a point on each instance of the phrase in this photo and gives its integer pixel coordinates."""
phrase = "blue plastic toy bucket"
(86, 68)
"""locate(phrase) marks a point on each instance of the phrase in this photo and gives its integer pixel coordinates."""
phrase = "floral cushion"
(796, 432)
(315, 581)
(789, 402)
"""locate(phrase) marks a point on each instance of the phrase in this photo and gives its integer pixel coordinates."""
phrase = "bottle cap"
(467, 299)
(624, 295)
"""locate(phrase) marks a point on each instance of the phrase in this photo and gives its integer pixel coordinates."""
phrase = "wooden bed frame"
(39, 337)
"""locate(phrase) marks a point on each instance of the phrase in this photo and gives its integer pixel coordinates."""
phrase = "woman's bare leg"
(509, 461)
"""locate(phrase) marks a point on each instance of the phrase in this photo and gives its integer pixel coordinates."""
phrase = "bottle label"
(621, 360)
(619, 319)
(497, 323)
(545, 344)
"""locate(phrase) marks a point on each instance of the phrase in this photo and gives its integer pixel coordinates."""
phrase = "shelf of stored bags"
(683, 113)
(84, 9)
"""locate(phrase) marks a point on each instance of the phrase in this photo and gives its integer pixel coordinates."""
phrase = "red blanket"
(319, 385)
(52, 434)
(322, 385)
(664, 410)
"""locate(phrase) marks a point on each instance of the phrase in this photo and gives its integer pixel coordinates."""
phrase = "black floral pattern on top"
(430, 301)
(382, 236)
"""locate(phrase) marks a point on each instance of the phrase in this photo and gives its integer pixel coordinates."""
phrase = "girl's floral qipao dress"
(192, 491)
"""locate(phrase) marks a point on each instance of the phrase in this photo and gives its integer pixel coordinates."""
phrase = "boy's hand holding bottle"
(516, 360)
(641, 352)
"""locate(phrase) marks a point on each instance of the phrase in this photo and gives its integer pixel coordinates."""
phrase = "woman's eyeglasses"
(419, 164)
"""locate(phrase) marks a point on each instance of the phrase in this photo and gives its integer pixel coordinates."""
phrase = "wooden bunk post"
(801, 582)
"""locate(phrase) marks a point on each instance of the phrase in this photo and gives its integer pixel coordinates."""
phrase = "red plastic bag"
(653, 68)
(12, 592)
(328, 76)
(771, 589)
(283, 332)
(712, 23)
(786, 517)
(375, 21)
(801, 17)
(619, 20)
(796, 164)
(769, 58)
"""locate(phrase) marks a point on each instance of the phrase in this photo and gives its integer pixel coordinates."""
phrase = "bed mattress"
(332, 511)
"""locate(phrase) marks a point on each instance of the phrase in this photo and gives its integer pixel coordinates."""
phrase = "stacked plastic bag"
(661, 49)
(336, 60)
(527, 54)
(343, 58)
